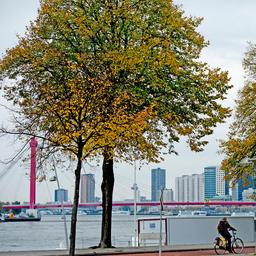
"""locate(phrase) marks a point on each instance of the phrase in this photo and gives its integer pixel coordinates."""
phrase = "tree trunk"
(107, 197)
(75, 204)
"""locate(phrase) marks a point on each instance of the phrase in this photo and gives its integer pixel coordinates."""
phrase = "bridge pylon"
(33, 146)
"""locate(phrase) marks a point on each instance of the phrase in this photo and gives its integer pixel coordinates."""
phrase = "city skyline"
(188, 188)
(228, 42)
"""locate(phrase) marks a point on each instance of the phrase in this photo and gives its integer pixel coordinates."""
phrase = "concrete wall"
(203, 229)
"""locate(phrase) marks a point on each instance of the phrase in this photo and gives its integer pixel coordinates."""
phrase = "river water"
(48, 234)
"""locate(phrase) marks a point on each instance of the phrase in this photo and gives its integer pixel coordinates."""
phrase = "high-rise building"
(60, 195)
(179, 189)
(221, 184)
(240, 186)
(189, 188)
(185, 188)
(168, 195)
(215, 183)
(157, 183)
(87, 194)
(210, 182)
(201, 187)
(176, 189)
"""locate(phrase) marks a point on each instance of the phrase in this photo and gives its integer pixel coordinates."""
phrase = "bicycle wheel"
(219, 249)
(237, 246)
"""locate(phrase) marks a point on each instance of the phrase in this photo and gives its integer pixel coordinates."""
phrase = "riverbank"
(135, 251)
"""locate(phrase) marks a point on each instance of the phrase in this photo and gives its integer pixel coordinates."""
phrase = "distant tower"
(87, 194)
(241, 186)
(188, 188)
(210, 182)
(215, 184)
(60, 195)
(179, 189)
(157, 183)
(201, 187)
(168, 195)
(192, 188)
(33, 145)
(185, 179)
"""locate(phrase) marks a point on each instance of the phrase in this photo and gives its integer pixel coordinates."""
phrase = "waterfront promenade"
(192, 250)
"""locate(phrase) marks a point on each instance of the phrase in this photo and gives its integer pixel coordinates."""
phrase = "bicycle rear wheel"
(237, 246)
(219, 249)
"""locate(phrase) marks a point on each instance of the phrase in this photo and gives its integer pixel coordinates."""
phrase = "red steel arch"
(210, 203)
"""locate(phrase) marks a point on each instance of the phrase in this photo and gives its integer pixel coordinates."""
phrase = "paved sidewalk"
(184, 250)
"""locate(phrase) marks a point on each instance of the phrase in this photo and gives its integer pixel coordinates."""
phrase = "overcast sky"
(227, 24)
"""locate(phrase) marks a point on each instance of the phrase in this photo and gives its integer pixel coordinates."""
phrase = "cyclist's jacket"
(224, 226)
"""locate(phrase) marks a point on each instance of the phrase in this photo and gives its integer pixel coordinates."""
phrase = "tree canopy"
(240, 148)
(119, 74)
(136, 56)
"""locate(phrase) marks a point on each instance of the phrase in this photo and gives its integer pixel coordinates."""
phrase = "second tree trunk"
(107, 187)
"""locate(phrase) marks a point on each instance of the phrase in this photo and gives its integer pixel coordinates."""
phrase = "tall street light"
(161, 226)
(55, 178)
(135, 189)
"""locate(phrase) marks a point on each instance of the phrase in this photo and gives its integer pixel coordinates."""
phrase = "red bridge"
(32, 204)
(221, 203)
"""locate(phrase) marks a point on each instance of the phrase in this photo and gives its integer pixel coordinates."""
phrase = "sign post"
(160, 235)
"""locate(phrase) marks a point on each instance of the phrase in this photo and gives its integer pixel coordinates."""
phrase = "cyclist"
(223, 228)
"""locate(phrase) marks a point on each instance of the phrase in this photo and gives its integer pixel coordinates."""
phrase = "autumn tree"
(118, 78)
(151, 51)
(240, 148)
(60, 100)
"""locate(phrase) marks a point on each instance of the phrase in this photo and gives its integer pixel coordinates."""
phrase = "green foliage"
(241, 144)
(118, 74)
(83, 58)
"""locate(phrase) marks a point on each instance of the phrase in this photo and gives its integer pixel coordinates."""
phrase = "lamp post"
(62, 206)
(161, 227)
(135, 189)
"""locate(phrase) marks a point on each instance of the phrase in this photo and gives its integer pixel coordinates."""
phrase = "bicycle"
(220, 244)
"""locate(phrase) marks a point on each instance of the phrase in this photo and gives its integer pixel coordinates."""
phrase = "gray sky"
(227, 25)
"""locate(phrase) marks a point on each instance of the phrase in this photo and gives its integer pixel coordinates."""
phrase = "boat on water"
(20, 219)
(199, 213)
(121, 212)
(192, 213)
(29, 215)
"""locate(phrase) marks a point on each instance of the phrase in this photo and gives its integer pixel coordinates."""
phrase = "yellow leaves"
(116, 74)
(45, 8)
(185, 130)
(241, 143)
(128, 59)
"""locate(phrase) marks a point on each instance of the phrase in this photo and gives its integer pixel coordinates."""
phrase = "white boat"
(121, 212)
(192, 213)
(185, 213)
(199, 213)
(243, 214)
